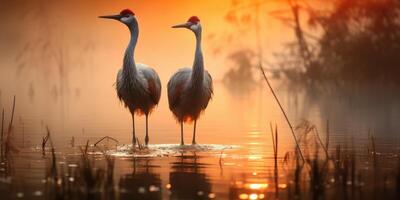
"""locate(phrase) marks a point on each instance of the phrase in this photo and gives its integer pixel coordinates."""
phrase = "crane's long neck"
(129, 66)
(198, 65)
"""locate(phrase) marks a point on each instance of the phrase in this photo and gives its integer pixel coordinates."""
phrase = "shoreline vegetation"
(326, 173)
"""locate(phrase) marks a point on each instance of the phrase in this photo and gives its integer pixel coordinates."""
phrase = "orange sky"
(94, 47)
(73, 24)
(92, 51)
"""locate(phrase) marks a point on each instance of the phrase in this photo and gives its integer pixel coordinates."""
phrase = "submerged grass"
(45, 139)
(6, 145)
(343, 173)
(274, 136)
(82, 179)
(2, 136)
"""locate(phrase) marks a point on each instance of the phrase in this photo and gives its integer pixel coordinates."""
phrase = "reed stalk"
(260, 61)
(104, 138)
(283, 111)
(8, 140)
(275, 146)
(12, 115)
(45, 139)
(321, 143)
(2, 135)
(327, 135)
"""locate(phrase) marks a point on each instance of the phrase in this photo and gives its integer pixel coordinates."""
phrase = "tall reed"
(2, 136)
(8, 144)
(283, 111)
(274, 136)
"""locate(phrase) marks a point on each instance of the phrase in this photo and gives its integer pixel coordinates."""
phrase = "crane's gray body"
(138, 85)
(190, 90)
(140, 93)
(188, 98)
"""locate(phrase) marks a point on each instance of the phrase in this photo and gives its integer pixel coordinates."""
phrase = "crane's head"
(193, 24)
(126, 16)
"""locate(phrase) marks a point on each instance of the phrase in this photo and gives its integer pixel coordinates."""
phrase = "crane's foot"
(146, 140)
(194, 133)
(133, 143)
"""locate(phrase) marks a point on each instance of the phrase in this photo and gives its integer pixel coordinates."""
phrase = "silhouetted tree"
(360, 40)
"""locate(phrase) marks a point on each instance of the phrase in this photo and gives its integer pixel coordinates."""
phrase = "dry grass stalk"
(2, 135)
(324, 147)
(8, 145)
(106, 138)
(373, 150)
(72, 141)
(45, 139)
(283, 111)
(327, 135)
(84, 152)
(274, 135)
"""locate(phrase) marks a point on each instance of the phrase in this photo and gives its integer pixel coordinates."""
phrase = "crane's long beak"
(185, 25)
(116, 17)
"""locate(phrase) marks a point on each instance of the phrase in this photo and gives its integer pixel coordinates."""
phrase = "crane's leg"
(146, 139)
(182, 143)
(194, 133)
(133, 131)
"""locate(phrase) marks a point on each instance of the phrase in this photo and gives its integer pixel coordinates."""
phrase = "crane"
(138, 85)
(190, 89)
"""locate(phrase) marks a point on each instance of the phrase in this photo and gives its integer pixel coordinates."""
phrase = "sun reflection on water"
(252, 190)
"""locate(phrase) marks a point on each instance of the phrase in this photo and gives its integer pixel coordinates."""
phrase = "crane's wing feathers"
(209, 86)
(119, 84)
(176, 85)
(209, 82)
(153, 82)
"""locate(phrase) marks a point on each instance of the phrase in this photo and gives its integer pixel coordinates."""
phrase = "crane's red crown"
(194, 19)
(126, 12)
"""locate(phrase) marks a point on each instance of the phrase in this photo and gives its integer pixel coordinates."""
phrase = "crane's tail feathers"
(186, 119)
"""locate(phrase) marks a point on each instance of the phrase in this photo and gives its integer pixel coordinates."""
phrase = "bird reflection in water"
(142, 183)
(187, 181)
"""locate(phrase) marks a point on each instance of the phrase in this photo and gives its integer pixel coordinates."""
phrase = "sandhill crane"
(138, 85)
(189, 90)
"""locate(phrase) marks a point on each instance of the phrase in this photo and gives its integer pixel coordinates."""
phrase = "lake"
(235, 152)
